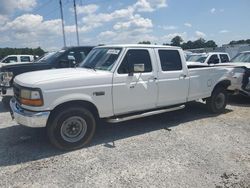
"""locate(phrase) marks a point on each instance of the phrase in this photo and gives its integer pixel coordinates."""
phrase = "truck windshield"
(101, 58)
(197, 58)
(242, 57)
(50, 57)
(44, 57)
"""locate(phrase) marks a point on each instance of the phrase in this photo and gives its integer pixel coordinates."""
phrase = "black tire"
(65, 122)
(6, 102)
(218, 100)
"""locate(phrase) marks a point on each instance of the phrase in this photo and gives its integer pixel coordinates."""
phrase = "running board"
(145, 114)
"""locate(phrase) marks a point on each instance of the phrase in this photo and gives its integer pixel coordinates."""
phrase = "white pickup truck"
(210, 58)
(15, 59)
(116, 83)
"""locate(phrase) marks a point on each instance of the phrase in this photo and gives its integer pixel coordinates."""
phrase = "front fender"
(232, 80)
(71, 97)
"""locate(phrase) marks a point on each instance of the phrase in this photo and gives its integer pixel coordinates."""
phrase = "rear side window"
(224, 58)
(10, 59)
(170, 60)
(135, 57)
(25, 59)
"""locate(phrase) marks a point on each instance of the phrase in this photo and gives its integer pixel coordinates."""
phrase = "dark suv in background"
(64, 58)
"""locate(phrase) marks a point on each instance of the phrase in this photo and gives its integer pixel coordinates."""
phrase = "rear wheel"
(72, 128)
(218, 100)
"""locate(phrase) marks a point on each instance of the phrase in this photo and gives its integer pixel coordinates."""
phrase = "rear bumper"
(28, 118)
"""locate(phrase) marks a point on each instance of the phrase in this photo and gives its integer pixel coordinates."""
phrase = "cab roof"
(137, 46)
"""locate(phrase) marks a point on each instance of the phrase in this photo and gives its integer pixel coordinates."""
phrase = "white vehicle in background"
(242, 60)
(210, 58)
(187, 53)
(15, 59)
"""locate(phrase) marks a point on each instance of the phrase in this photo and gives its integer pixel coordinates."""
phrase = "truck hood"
(18, 67)
(238, 64)
(55, 78)
(194, 63)
(16, 63)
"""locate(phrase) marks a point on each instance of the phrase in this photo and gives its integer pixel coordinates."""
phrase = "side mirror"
(137, 68)
(72, 60)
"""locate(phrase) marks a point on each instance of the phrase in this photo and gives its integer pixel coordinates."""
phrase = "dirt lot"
(188, 148)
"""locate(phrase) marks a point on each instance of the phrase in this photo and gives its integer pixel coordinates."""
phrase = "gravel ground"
(187, 148)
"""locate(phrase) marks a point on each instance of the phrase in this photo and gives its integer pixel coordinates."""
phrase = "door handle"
(183, 76)
(132, 86)
(152, 78)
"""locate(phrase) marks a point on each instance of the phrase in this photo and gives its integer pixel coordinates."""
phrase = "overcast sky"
(32, 23)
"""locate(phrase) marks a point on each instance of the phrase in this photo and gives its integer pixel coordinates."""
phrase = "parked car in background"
(15, 59)
(187, 54)
(242, 57)
(66, 57)
(210, 58)
(116, 83)
(243, 60)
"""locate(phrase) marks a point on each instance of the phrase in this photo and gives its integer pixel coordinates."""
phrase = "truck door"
(173, 80)
(135, 91)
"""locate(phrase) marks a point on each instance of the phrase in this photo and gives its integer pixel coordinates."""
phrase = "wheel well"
(90, 106)
(224, 84)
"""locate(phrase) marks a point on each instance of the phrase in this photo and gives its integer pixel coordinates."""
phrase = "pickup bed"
(116, 83)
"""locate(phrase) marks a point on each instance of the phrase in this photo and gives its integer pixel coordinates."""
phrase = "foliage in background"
(240, 42)
(200, 43)
(16, 51)
(144, 42)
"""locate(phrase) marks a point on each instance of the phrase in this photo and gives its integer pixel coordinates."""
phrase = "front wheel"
(218, 100)
(72, 128)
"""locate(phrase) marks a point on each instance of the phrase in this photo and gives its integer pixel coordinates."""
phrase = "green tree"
(16, 51)
(188, 45)
(144, 42)
(176, 41)
(210, 44)
(233, 42)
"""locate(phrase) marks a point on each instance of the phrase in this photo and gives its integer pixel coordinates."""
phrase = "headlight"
(31, 97)
(6, 77)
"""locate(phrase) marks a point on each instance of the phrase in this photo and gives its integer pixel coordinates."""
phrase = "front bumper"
(28, 118)
(6, 91)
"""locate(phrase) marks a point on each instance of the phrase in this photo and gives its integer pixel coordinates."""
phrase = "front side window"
(213, 59)
(25, 59)
(136, 56)
(10, 60)
(101, 58)
(224, 58)
(170, 60)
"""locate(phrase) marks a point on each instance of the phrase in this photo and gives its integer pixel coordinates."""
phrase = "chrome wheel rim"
(73, 129)
(220, 100)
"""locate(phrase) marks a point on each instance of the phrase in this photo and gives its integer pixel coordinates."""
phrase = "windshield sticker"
(113, 51)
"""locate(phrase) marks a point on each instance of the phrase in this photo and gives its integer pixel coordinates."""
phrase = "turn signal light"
(32, 102)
